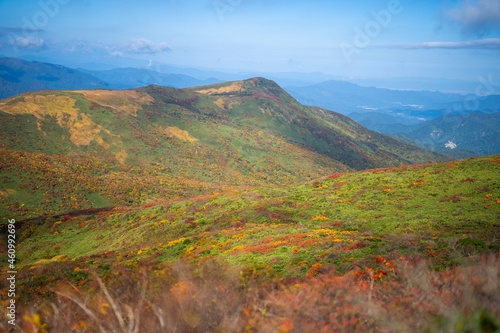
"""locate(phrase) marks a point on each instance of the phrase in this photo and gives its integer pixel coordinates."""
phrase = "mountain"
(406, 107)
(203, 74)
(465, 135)
(346, 97)
(129, 78)
(425, 83)
(18, 76)
(69, 150)
(460, 136)
(181, 77)
(232, 207)
(384, 123)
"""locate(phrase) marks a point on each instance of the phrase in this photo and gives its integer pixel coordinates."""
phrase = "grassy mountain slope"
(368, 224)
(74, 150)
(459, 199)
(324, 131)
(457, 135)
(385, 148)
(18, 76)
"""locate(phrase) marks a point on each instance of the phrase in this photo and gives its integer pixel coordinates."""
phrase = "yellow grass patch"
(220, 103)
(61, 257)
(175, 132)
(233, 87)
(85, 130)
(6, 192)
(124, 101)
(39, 106)
(121, 155)
(226, 103)
(81, 128)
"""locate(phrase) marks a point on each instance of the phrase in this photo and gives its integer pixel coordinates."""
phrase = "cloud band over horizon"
(483, 44)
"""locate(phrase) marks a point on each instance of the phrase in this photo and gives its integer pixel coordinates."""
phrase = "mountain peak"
(264, 84)
(261, 81)
(248, 87)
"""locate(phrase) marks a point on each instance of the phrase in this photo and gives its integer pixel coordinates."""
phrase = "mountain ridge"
(18, 76)
(131, 78)
(405, 105)
(95, 148)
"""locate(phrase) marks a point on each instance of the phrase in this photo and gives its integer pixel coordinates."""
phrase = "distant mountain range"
(129, 78)
(395, 112)
(465, 135)
(347, 98)
(18, 76)
(457, 135)
(426, 84)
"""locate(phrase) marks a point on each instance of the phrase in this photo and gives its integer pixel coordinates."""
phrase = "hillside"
(268, 258)
(18, 76)
(477, 133)
(71, 150)
(452, 199)
(457, 135)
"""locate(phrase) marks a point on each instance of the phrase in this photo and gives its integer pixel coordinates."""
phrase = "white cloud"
(475, 17)
(483, 44)
(31, 42)
(136, 46)
(144, 46)
(116, 54)
(451, 145)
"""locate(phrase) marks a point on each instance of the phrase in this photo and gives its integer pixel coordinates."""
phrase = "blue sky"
(365, 38)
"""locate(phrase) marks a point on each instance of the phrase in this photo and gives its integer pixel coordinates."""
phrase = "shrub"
(410, 297)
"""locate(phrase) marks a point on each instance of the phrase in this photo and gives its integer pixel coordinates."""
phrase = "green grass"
(270, 191)
(342, 234)
(259, 136)
(341, 221)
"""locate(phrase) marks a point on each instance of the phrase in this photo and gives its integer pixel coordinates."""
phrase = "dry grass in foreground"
(215, 298)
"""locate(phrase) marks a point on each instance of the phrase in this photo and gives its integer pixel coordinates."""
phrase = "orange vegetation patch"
(6, 192)
(224, 103)
(40, 106)
(175, 132)
(124, 101)
(233, 87)
(81, 128)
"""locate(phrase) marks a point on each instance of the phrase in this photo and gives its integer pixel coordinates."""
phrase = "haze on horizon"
(371, 39)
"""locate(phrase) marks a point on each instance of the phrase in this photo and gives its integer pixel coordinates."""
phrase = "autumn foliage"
(409, 297)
